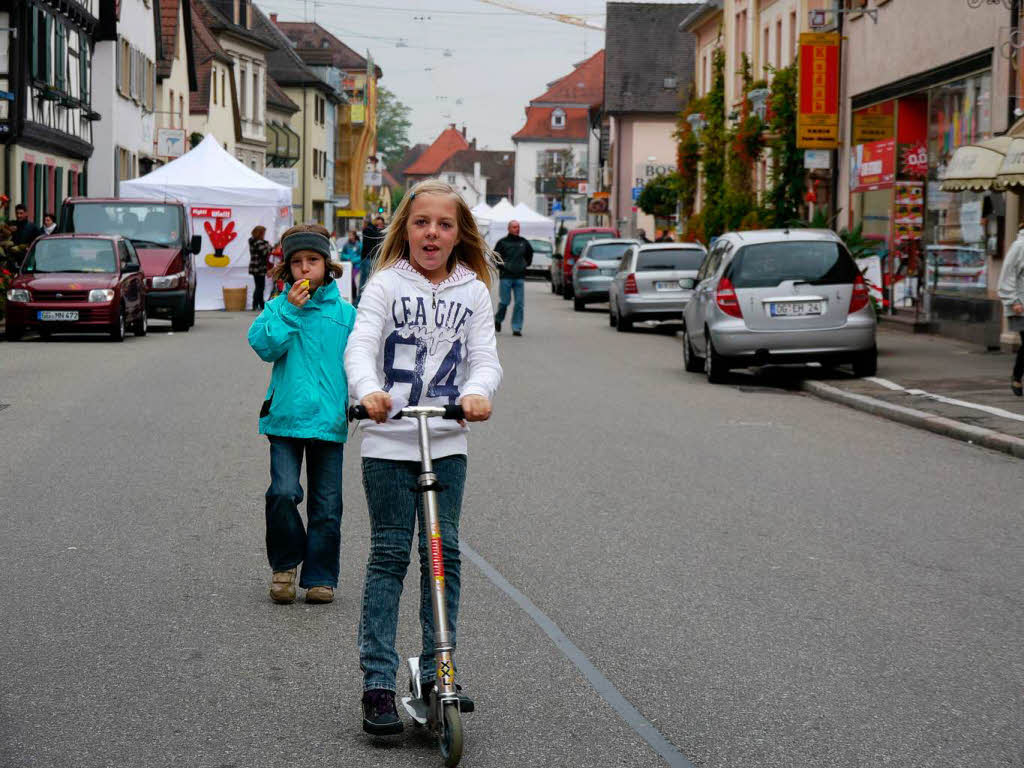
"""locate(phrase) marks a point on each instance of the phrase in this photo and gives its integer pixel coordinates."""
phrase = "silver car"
(541, 264)
(594, 270)
(647, 284)
(778, 296)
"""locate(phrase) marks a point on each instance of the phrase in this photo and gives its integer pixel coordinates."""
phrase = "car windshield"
(541, 246)
(769, 264)
(147, 226)
(580, 240)
(669, 258)
(71, 255)
(608, 251)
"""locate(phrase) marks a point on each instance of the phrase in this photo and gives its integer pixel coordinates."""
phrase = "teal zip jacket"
(308, 393)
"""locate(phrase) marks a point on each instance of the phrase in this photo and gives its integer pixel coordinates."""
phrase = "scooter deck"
(417, 709)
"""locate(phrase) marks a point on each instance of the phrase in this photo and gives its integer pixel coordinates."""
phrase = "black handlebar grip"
(357, 412)
(454, 412)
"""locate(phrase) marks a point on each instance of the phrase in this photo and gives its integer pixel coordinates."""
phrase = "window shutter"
(37, 216)
(26, 182)
(49, 50)
(61, 62)
(117, 66)
(58, 193)
(83, 68)
(35, 43)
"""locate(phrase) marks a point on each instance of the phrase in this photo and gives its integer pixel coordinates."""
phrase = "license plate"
(58, 316)
(795, 309)
(666, 285)
(608, 272)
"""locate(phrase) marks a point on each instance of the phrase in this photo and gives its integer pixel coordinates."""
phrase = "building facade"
(47, 114)
(127, 48)
(213, 106)
(557, 150)
(175, 80)
(648, 67)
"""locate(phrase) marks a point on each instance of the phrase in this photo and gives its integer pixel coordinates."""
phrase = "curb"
(988, 438)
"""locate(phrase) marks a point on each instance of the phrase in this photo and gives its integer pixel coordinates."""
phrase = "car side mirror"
(687, 283)
(196, 244)
(128, 268)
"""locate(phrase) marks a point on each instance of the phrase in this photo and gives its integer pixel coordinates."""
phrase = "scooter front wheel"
(450, 736)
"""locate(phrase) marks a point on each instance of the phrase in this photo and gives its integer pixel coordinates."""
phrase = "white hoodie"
(426, 344)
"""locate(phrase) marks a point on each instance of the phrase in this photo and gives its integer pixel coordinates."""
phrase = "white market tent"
(223, 197)
(531, 223)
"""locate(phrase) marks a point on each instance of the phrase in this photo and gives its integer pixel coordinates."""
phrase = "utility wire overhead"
(564, 18)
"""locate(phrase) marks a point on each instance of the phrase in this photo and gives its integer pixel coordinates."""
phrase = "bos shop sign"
(817, 123)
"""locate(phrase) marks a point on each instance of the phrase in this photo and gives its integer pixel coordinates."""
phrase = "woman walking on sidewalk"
(1011, 291)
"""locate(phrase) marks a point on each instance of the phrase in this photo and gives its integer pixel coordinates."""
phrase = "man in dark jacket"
(516, 255)
(25, 231)
(373, 236)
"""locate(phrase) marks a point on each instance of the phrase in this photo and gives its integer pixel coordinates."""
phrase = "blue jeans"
(507, 287)
(394, 510)
(317, 547)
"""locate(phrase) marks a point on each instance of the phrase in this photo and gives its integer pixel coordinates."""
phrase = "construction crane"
(565, 18)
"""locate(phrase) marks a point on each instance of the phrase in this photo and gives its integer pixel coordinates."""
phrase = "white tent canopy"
(225, 201)
(531, 223)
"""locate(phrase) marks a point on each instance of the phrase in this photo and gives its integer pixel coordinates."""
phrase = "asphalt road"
(768, 579)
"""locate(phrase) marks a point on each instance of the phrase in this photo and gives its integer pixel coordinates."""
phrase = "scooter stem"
(445, 683)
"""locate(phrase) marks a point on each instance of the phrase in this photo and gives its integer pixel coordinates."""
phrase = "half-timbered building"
(47, 111)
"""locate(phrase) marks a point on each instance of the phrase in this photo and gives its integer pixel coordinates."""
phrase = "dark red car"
(572, 247)
(162, 235)
(78, 284)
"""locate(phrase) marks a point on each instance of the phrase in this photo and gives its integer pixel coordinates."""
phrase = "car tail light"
(586, 264)
(725, 298)
(630, 286)
(859, 298)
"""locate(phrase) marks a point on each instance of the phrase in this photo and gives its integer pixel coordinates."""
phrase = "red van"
(561, 263)
(162, 235)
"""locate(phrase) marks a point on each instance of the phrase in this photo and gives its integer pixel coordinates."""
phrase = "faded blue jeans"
(394, 510)
(509, 287)
(318, 546)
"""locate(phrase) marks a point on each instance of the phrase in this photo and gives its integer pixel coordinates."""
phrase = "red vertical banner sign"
(817, 122)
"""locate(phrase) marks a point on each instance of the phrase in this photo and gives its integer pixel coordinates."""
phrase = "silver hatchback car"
(594, 270)
(778, 296)
(647, 283)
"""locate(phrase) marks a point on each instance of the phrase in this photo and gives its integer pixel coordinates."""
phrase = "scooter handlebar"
(452, 412)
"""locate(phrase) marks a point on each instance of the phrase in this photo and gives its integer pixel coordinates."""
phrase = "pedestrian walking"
(641, 235)
(274, 260)
(1011, 292)
(352, 251)
(516, 255)
(428, 301)
(259, 253)
(303, 332)
(664, 237)
(373, 237)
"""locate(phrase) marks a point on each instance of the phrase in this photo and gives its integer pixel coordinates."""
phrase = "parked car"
(541, 265)
(594, 269)
(78, 284)
(646, 284)
(572, 247)
(162, 235)
(778, 296)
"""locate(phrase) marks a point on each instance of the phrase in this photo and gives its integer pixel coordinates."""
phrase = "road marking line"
(641, 725)
(990, 409)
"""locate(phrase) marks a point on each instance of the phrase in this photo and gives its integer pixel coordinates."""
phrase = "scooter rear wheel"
(450, 736)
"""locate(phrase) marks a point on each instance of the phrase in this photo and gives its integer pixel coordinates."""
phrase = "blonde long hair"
(471, 250)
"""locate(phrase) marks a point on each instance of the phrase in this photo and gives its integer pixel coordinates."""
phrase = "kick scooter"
(441, 711)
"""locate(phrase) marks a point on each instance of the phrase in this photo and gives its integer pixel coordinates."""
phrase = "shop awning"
(977, 166)
(1011, 172)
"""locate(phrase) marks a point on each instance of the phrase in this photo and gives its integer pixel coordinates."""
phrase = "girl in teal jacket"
(303, 332)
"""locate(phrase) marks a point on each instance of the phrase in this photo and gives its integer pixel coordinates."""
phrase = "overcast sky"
(461, 61)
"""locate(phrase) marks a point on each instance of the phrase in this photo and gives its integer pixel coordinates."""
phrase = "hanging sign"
(817, 125)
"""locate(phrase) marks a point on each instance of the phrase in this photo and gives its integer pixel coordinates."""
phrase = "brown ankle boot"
(320, 595)
(282, 586)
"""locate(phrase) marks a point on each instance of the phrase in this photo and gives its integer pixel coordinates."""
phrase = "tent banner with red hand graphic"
(223, 261)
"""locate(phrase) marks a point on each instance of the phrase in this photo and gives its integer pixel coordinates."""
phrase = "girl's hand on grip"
(299, 294)
(476, 407)
(377, 405)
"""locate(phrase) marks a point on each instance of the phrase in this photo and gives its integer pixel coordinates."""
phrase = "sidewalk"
(944, 385)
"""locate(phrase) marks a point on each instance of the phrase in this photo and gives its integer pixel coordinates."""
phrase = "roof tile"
(583, 86)
(447, 144)
(538, 124)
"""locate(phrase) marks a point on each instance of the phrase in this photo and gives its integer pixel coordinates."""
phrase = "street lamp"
(759, 101)
(697, 123)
